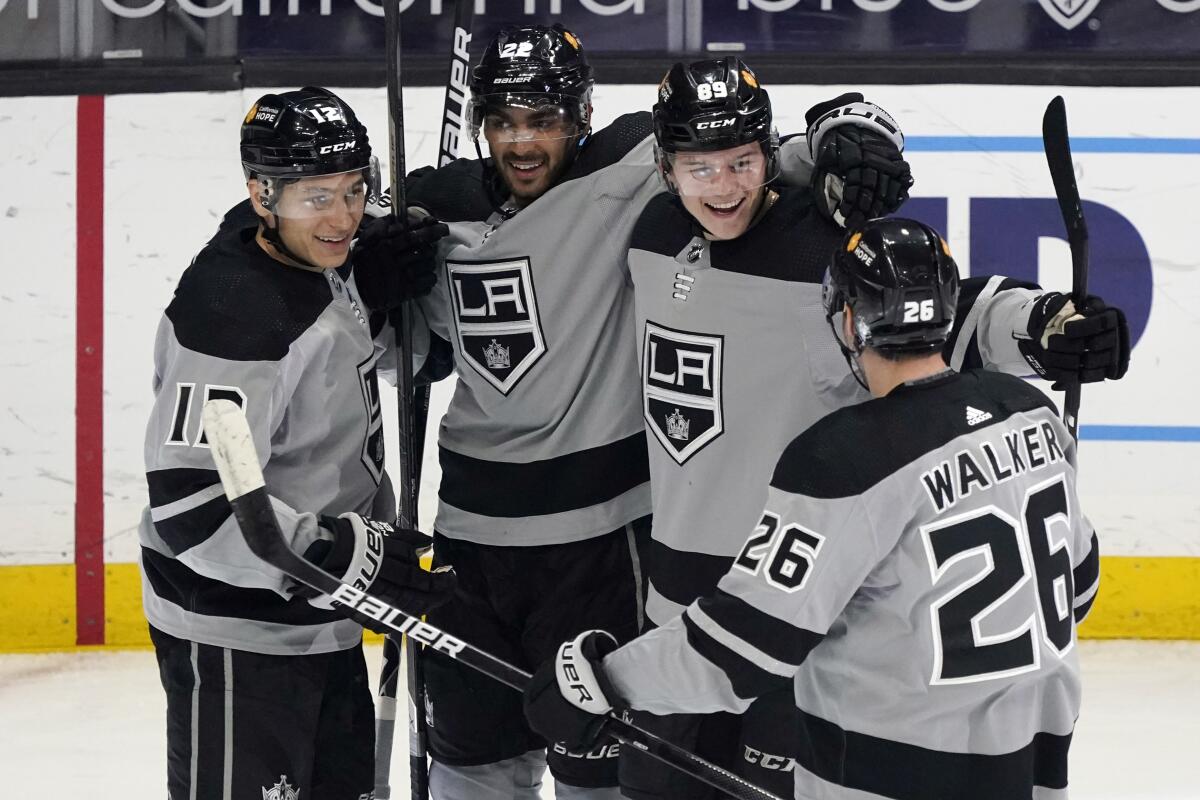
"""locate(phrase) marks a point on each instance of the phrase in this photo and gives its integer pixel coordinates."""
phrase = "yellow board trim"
(1140, 598)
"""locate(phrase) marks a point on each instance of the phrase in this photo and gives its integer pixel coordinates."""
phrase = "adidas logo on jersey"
(975, 416)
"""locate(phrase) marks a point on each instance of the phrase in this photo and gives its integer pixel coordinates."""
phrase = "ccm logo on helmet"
(337, 148)
(719, 123)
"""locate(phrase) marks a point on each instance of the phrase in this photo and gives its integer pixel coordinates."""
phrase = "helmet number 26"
(918, 312)
(707, 91)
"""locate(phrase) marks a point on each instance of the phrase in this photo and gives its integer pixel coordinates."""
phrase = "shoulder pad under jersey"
(236, 302)
(611, 143)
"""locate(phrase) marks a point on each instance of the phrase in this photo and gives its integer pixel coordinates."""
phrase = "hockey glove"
(1068, 345)
(393, 263)
(567, 699)
(859, 171)
(383, 562)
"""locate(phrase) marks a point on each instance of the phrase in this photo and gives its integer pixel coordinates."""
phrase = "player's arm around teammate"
(926, 621)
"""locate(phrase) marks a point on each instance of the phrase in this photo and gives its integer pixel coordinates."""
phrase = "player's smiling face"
(529, 147)
(722, 189)
(318, 217)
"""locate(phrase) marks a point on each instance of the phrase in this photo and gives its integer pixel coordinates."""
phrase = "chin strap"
(851, 356)
(492, 183)
(271, 235)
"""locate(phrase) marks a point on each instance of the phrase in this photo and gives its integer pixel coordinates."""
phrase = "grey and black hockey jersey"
(294, 348)
(918, 573)
(736, 358)
(543, 441)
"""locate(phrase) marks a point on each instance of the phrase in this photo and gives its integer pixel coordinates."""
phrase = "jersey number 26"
(1018, 560)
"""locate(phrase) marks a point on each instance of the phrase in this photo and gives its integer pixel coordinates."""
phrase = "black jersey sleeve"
(611, 143)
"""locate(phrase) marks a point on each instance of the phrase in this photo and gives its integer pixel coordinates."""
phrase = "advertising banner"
(353, 29)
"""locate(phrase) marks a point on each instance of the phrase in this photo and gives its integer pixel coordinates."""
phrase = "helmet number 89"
(707, 91)
(918, 312)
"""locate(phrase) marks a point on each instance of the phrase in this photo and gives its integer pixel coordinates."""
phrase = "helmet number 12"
(327, 114)
(707, 91)
(918, 312)
(517, 50)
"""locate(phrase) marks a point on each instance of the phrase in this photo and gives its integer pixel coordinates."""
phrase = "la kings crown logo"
(281, 791)
(681, 388)
(495, 312)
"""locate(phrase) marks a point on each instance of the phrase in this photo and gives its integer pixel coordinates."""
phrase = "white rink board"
(37, 329)
(172, 171)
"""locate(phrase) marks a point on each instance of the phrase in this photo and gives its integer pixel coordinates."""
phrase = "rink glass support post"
(89, 371)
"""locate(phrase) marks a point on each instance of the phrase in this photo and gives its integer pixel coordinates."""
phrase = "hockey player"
(266, 685)
(736, 358)
(917, 573)
(544, 498)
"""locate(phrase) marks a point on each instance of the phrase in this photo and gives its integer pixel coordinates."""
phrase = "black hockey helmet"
(310, 131)
(899, 279)
(532, 66)
(301, 134)
(711, 105)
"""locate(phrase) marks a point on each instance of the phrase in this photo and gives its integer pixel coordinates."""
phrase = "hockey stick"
(418, 764)
(1062, 171)
(410, 457)
(241, 474)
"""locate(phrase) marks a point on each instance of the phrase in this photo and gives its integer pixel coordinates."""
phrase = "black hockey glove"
(1068, 345)
(567, 699)
(859, 171)
(393, 263)
(383, 562)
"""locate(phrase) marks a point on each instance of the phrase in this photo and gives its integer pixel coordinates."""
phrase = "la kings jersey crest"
(496, 316)
(681, 388)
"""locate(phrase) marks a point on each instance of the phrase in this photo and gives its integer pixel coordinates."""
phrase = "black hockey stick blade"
(241, 475)
(1057, 144)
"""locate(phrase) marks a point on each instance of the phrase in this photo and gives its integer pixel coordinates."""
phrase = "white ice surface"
(91, 725)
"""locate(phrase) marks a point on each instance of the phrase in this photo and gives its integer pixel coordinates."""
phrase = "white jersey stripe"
(738, 645)
(160, 513)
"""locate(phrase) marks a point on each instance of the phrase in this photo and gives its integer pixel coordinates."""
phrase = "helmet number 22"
(517, 50)
(707, 91)
(918, 312)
